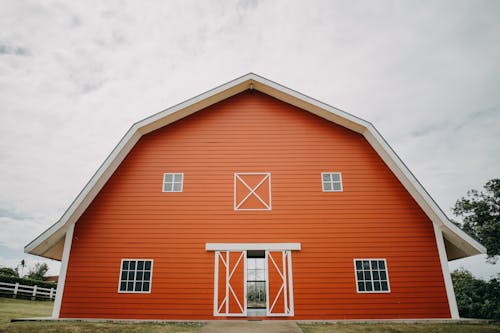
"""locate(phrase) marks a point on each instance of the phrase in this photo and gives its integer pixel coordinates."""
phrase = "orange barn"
(254, 200)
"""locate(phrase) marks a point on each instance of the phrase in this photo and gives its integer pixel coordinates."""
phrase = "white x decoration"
(266, 179)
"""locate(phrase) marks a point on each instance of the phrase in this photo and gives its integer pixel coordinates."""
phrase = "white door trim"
(252, 246)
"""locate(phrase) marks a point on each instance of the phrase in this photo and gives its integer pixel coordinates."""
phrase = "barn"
(254, 200)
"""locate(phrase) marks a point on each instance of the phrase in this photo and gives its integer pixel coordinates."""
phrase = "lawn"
(426, 327)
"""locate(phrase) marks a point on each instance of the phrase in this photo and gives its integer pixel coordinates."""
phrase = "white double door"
(235, 281)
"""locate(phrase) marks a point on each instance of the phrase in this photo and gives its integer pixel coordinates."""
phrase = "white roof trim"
(41, 244)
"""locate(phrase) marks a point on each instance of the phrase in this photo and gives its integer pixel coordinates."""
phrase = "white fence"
(35, 292)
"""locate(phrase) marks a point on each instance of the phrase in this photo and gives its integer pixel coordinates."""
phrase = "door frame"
(242, 248)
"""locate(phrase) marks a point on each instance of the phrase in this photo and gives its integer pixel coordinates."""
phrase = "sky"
(75, 75)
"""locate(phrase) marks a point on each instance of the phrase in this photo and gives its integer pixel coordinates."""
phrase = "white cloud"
(426, 74)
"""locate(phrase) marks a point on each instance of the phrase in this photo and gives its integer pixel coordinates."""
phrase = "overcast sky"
(75, 75)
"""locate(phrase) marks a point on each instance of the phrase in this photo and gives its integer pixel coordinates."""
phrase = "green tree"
(480, 213)
(38, 272)
(7, 271)
(476, 298)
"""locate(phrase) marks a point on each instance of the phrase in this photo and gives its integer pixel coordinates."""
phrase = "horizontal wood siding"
(374, 217)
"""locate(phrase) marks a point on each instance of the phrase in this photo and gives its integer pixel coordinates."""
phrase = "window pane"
(385, 286)
(335, 177)
(358, 264)
(251, 275)
(125, 264)
(139, 275)
(167, 187)
(138, 286)
(132, 265)
(375, 275)
(251, 263)
(140, 265)
(177, 187)
(368, 276)
(178, 177)
(383, 275)
(130, 276)
(360, 276)
(376, 286)
(123, 286)
(327, 186)
(260, 263)
(366, 264)
(260, 275)
(147, 265)
(381, 264)
(374, 264)
(145, 286)
(326, 177)
(130, 286)
(361, 286)
(124, 275)
(368, 286)
(168, 178)
(337, 187)
(147, 276)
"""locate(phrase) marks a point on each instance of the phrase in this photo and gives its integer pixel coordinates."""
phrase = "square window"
(137, 278)
(172, 182)
(371, 276)
(125, 265)
(332, 181)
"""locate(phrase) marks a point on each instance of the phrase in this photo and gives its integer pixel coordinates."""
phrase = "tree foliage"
(7, 271)
(38, 272)
(476, 298)
(480, 213)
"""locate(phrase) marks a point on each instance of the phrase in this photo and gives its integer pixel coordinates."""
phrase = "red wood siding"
(374, 217)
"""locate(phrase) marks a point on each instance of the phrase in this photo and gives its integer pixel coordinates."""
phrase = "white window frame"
(150, 278)
(237, 205)
(173, 182)
(331, 173)
(371, 273)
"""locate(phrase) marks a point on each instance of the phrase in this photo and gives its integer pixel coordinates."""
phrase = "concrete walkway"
(240, 326)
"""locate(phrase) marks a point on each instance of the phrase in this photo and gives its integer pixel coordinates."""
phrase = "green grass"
(15, 308)
(400, 328)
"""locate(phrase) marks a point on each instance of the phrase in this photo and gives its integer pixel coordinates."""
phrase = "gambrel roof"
(50, 243)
